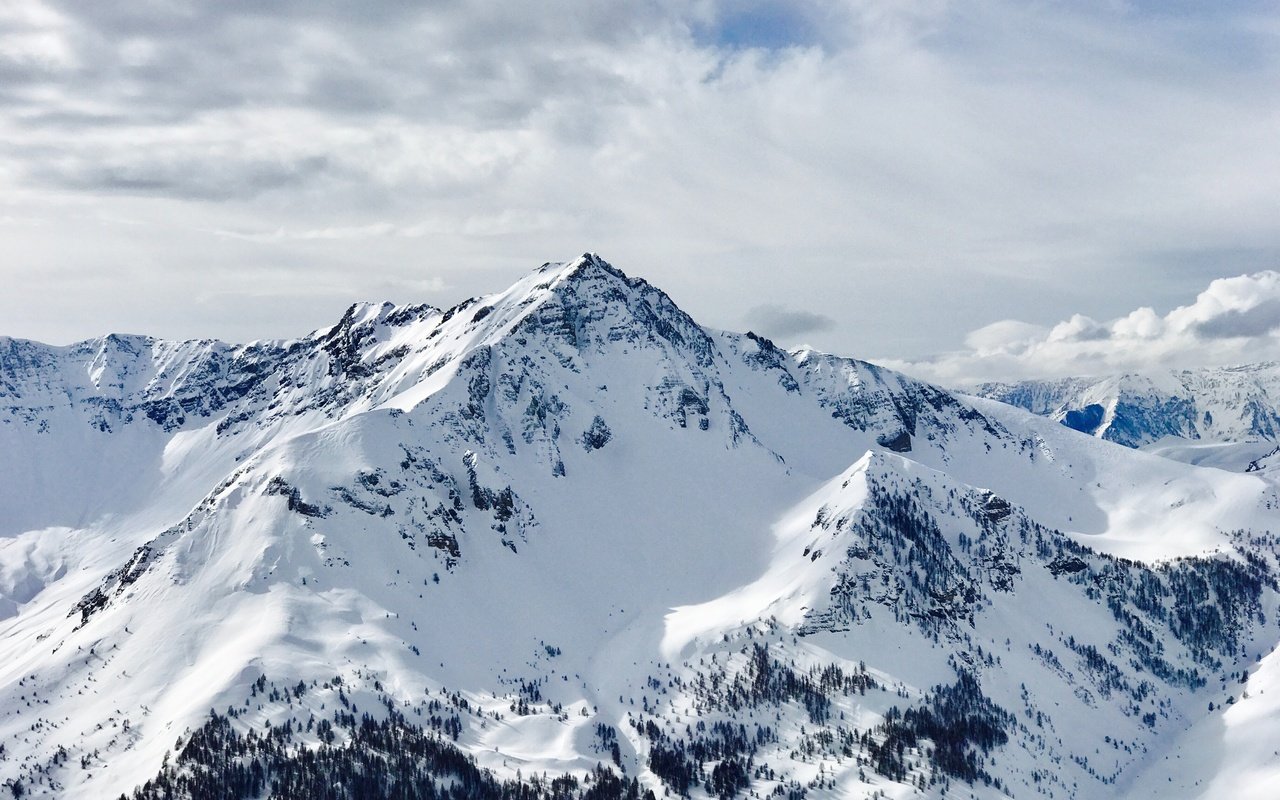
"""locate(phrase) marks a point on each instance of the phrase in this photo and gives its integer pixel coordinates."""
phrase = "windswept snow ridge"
(562, 541)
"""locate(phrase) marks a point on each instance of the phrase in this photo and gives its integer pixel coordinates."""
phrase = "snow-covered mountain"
(1223, 416)
(564, 541)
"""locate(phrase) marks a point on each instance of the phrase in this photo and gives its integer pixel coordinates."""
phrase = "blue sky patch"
(764, 25)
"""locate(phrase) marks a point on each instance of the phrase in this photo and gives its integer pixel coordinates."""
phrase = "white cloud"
(1006, 336)
(1233, 321)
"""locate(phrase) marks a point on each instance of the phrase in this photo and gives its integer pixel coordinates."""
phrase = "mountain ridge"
(523, 532)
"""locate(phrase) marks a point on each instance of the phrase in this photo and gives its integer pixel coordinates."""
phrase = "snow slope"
(564, 525)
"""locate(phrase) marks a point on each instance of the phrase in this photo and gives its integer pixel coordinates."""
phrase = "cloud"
(911, 169)
(785, 323)
(202, 179)
(1233, 321)
(1004, 336)
(1259, 320)
(509, 222)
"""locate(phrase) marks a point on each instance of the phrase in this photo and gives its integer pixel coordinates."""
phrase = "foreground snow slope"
(565, 525)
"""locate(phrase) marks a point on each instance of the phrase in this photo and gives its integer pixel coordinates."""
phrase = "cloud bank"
(1233, 321)
(911, 169)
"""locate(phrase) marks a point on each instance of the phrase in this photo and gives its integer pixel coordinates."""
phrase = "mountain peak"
(585, 266)
(589, 269)
(589, 301)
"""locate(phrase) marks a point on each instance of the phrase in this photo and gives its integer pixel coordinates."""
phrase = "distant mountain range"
(1224, 416)
(564, 542)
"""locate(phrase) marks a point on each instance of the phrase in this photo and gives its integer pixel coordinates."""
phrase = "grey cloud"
(1260, 320)
(340, 90)
(80, 120)
(432, 61)
(426, 71)
(1095, 334)
(786, 323)
(192, 16)
(399, 80)
(1083, 329)
(17, 75)
(186, 179)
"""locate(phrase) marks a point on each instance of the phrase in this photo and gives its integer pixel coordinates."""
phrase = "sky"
(968, 191)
